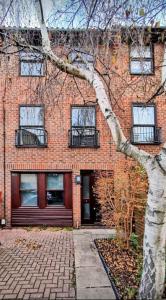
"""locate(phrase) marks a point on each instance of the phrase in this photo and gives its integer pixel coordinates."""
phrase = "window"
(42, 189)
(55, 189)
(31, 64)
(144, 126)
(31, 132)
(79, 58)
(83, 132)
(28, 189)
(141, 60)
(83, 116)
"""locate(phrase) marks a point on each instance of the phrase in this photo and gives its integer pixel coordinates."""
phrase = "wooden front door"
(87, 198)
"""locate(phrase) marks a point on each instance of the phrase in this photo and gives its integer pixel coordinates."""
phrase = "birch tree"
(153, 276)
(152, 282)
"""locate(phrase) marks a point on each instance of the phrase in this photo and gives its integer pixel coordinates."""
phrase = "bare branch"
(122, 144)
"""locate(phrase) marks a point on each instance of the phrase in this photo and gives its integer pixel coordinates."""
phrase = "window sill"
(142, 74)
(30, 206)
(55, 206)
(146, 143)
(31, 75)
(91, 147)
(31, 146)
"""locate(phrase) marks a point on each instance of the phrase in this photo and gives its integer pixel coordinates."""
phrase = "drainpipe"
(3, 221)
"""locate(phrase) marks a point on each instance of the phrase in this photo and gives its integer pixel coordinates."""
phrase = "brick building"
(53, 136)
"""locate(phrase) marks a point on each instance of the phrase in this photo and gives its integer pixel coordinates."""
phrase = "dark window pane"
(83, 116)
(55, 181)
(55, 197)
(143, 115)
(31, 116)
(29, 198)
(86, 184)
(86, 212)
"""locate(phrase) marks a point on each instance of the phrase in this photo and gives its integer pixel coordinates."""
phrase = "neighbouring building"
(53, 136)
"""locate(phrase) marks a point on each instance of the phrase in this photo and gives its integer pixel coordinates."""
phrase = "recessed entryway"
(89, 209)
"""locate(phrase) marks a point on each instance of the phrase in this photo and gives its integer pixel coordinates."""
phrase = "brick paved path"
(37, 264)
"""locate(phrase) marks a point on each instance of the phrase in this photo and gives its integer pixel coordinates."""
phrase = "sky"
(22, 12)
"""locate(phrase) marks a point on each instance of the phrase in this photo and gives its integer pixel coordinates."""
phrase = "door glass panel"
(86, 187)
(29, 198)
(28, 181)
(87, 211)
(55, 197)
(55, 182)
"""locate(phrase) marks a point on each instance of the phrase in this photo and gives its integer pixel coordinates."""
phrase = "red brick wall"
(58, 98)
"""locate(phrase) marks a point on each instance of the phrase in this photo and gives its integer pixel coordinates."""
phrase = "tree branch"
(122, 144)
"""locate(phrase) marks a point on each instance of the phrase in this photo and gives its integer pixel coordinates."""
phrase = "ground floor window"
(41, 189)
(55, 189)
(28, 189)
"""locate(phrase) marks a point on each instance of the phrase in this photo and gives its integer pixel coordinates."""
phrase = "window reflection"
(86, 187)
(55, 189)
(55, 197)
(28, 189)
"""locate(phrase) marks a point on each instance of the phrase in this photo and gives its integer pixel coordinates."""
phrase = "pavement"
(50, 263)
(92, 281)
(36, 264)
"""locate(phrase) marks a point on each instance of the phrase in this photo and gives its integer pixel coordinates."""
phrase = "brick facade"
(57, 96)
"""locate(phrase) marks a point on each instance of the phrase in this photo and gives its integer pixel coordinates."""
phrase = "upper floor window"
(144, 125)
(81, 59)
(83, 116)
(141, 60)
(83, 132)
(31, 64)
(31, 132)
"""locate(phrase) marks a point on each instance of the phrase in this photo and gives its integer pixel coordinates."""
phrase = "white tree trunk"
(153, 277)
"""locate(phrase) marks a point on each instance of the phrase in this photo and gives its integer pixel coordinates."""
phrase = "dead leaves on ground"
(124, 265)
(30, 245)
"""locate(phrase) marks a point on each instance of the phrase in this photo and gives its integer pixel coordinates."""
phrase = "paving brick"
(62, 295)
(10, 296)
(21, 294)
(36, 274)
(52, 296)
(26, 296)
(47, 293)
